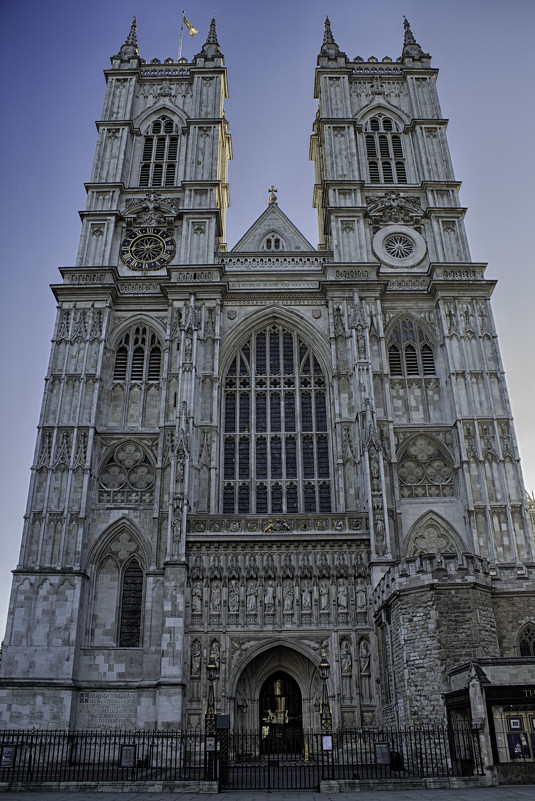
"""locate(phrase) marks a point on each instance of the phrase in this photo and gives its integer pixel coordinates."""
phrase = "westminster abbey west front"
(275, 454)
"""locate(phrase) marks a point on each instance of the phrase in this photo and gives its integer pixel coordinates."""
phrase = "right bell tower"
(430, 380)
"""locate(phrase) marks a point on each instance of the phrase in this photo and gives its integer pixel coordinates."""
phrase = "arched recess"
(260, 662)
(276, 452)
(116, 565)
(147, 117)
(432, 533)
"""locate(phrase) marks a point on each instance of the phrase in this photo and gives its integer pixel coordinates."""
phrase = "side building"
(280, 453)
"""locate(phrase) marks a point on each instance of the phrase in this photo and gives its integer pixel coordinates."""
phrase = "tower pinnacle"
(411, 48)
(130, 48)
(329, 47)
(211, 47)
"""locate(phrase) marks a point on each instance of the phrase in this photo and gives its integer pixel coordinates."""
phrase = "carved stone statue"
(196, 598)
(269, 598)
(196, 658)
(346, 660)
(324, 597)
(289, 597)
(341, 597)
(215, 600)
(233, 596)
(251, 596)
(306, 598)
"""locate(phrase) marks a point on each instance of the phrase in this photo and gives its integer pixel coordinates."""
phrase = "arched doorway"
(280, 710)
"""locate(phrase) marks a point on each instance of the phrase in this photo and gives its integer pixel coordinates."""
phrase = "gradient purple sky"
(53, 90)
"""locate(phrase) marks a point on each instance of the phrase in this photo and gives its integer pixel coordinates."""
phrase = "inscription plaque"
(106, 710)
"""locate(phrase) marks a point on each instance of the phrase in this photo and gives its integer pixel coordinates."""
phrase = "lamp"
(325, 708)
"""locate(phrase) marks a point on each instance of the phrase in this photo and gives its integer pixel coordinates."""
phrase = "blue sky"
(53, 89)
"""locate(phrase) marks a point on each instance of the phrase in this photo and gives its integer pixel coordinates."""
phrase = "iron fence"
(237, 760)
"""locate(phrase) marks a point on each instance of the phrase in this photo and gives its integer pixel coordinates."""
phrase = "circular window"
(399, 246)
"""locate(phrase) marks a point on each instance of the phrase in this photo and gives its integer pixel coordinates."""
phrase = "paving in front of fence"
(501, 793)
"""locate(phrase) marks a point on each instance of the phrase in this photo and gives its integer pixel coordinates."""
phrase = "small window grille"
(121, 363)
(374, 172)
(272, 242)
(394, 361)
(370, 148)
(428, 360)
(388, 177)
(131, 606)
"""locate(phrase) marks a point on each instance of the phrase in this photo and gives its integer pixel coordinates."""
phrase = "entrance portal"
(281, 719)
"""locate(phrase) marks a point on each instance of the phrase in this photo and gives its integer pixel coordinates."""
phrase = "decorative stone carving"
(394, 208)
(324, 597)
(215, 598)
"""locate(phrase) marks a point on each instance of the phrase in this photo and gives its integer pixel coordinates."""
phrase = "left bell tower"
(95, 635)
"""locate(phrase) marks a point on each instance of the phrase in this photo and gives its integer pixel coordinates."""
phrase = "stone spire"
(411, 48)
(130, 49)
(211, 47)
(329, 46)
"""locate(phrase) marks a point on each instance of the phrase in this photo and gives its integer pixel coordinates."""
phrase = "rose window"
(127, 476)
(398, 246)
(425, 471)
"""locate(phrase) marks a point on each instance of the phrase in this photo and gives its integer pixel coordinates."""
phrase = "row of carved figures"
(292, 595)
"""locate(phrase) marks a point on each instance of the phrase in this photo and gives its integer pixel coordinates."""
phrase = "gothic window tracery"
(527, 640)
(409, 350)
(127, 476)
(384, 149)
(425, 470)
(159, 158)
(276, 443)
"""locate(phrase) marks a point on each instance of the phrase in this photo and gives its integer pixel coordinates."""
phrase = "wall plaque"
(106, 710)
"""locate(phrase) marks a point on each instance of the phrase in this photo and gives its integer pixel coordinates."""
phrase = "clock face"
(147, 249)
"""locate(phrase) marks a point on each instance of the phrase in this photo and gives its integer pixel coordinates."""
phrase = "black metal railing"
(237, 760)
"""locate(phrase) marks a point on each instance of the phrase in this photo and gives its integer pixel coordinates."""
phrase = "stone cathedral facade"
(275, 451)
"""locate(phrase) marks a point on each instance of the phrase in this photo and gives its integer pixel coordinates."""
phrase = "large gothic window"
(409, 350)
(276, 442)
(384, 149)
(160, 150)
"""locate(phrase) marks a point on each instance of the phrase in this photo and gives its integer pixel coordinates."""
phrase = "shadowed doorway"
(281, 720)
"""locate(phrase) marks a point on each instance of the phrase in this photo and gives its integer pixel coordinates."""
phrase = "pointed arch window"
(275, 428)
(136, 373)
(384, 149)
(138, 356)
(409, 351)
(159, 157)
(526, 640)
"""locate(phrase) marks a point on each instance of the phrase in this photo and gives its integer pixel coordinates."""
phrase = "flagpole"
(181, 36)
